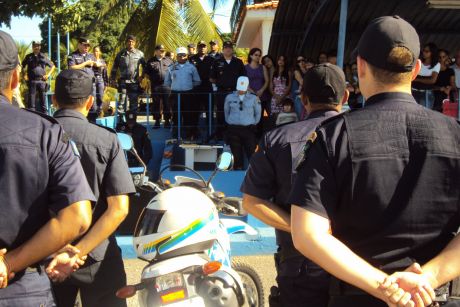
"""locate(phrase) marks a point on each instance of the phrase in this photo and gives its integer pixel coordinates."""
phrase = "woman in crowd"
(445, 82)
(259, 80)
(280, 86)
(297, 83)
(422, 86)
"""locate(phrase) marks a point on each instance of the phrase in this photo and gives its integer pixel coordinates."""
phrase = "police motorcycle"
(187, 244)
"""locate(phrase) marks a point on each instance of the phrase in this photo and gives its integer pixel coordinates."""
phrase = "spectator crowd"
(195, 83)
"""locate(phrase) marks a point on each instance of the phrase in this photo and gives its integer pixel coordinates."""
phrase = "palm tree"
(172, 23)
(23, 49)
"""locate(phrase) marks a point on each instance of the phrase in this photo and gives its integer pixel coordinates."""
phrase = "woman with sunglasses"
(445, 82)
(301, 67)
(422, 86)
(259, 80)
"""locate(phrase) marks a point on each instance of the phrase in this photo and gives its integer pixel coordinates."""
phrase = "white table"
(200, 153)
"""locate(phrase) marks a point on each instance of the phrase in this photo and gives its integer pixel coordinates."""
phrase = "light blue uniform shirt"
(242, 113)
(182, 77)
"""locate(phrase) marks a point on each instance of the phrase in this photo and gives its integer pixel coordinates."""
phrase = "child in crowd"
(288, 114)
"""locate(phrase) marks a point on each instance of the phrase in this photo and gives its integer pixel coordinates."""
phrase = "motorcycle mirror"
(126, 292)
(126, 141)
(224, 162)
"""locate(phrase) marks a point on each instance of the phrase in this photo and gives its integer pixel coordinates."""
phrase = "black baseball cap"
(228, 44)
(36, 43)
(324, 83)
(213, 42)
(73, 84)
(191, 45)
(159, 47)
(84, 41)
(381, 36)
(201, 43)
(9, 59)
(131, 37)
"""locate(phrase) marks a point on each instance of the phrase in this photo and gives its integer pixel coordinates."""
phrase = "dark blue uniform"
(386, 176)
(107, 172)
(156, 69)
(76, 58)
(141, 139)
(101, 80)
(270, 176)
(36, 69)
(39, 174)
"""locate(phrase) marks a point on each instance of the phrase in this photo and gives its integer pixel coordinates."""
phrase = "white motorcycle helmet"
(177, 221)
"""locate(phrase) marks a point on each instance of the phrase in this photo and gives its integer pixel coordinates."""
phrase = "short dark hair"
(5, 79)
(287, 101)
(399, 56)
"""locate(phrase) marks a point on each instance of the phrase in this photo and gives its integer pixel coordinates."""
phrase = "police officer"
(269, 180)
(101, 79)
(45, 197)
(140, 137)
(191, 49)
(156, 69)
(242, 113)
(224, 74)
(182, 77)
(105, 166)
(81, 58)
(383, 177)
(36, 77)
(214, 52)
(203, 63)
(130, 61)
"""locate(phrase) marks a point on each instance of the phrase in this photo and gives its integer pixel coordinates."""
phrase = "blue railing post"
(68, 43)
(178, 117)
(58, 52)
(48, 100)
(117, 99)
(210, 115)
(342, 32)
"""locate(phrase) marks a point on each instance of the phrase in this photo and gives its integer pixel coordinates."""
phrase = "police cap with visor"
(73, 84)
(381, 36)
(324, 83)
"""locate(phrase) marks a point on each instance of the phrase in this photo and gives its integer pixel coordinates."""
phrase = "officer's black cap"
(131, 116)
(159, 47)
(381, 36)
(72, 84)
(324, 83)
(36, 43)
(201, 43)
(131, 37)
(228, 44)
(8, 52)
(84, 41)
(213, 42)
(191, 45)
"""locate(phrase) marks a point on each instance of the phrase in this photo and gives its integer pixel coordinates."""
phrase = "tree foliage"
(10, 8)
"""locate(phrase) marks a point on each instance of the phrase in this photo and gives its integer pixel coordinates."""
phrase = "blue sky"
(26, 29)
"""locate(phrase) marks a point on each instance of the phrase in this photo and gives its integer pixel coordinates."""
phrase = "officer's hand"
(45, 77)
(65, 262)
(5, 273)
(26, 77)
(259, 93)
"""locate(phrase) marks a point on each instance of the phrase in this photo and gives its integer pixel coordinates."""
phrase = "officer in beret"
(46, 200)
(156, 69)
(130, 62)
(36, 77)
(106, 170)
(379, 189)
(140, 136)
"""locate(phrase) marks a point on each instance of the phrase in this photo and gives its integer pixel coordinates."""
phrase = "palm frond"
(200, 26)
(23, 49)
(109, 6)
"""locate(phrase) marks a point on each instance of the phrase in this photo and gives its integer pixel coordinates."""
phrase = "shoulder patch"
(74, 148)
(45, 116)
(303, 154)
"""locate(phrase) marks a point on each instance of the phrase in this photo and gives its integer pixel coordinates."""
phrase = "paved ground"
(264, 265)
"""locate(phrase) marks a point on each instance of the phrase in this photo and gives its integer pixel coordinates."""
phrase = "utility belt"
(98, 77)
(421, 90)
(341, 288)
(128, 81)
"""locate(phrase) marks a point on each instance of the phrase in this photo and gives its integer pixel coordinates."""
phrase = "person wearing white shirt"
(422, 86)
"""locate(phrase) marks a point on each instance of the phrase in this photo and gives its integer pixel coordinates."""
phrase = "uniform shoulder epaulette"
(45, 116)
(105, 127)
(331, 119)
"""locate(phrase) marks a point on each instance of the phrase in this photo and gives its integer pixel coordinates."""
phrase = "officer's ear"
(15, 79)
(416, 70)
(89, 103)
(345, 97)
(55, 103)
